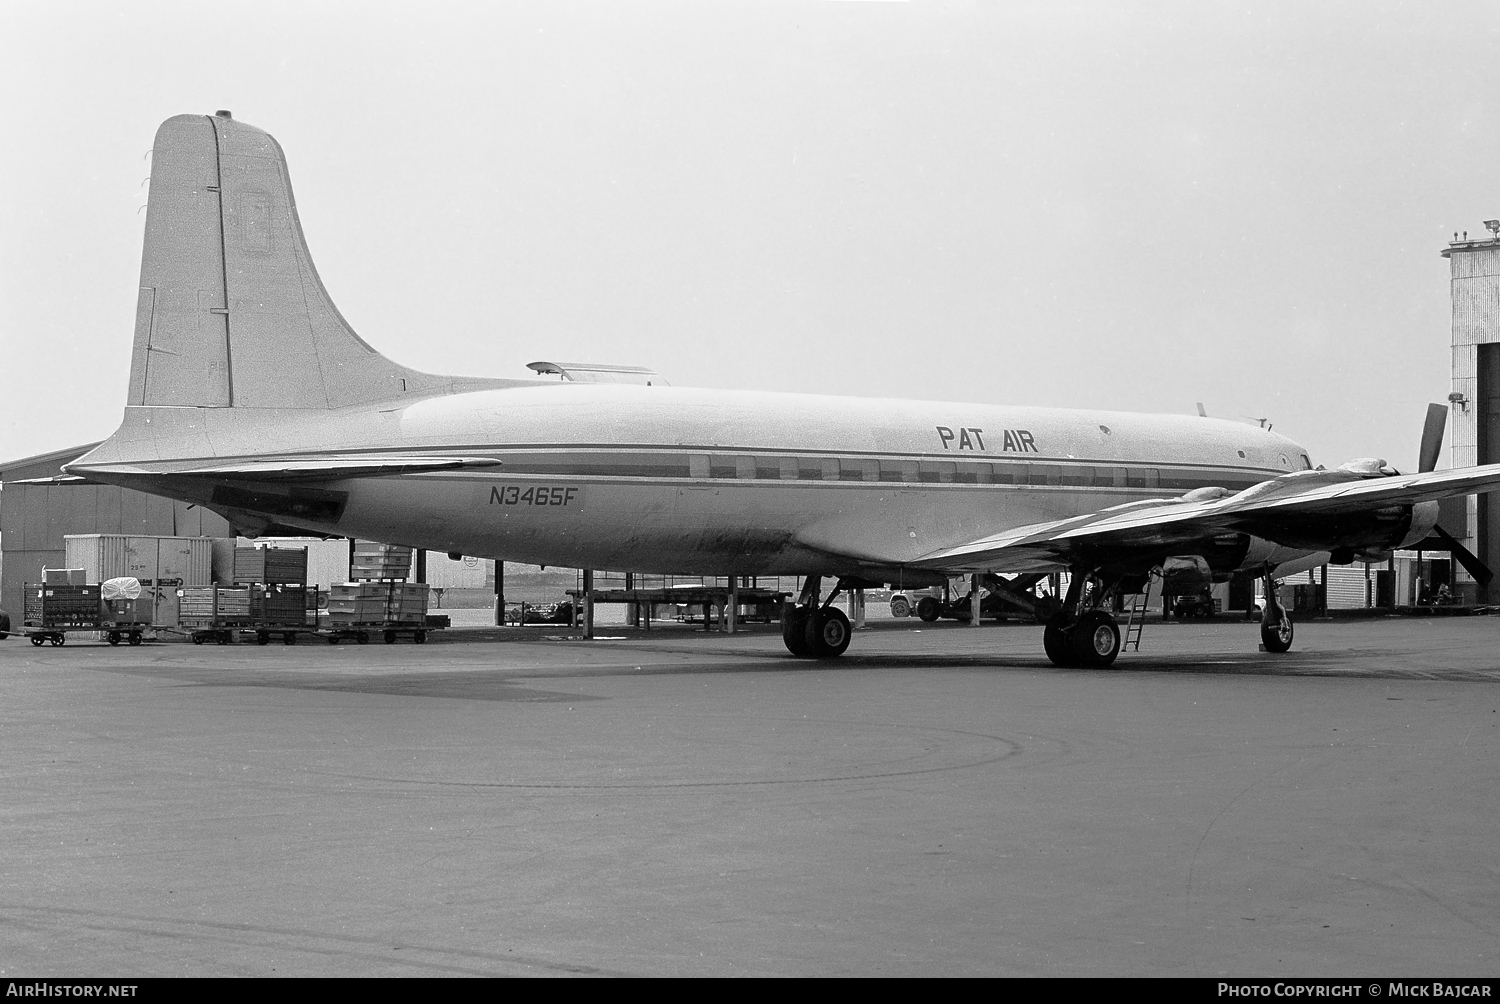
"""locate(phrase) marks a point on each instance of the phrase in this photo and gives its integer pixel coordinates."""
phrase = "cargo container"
(214, 612)
(270, 565)
(51, 611)
(372, 561)
(162, 564)
(358, 609)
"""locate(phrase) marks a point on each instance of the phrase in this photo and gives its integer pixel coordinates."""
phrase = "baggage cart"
(51, 611)
(358, 610)
(214, 613)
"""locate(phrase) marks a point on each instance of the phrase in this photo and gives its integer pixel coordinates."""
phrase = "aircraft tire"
(827, 633)
(794, 630)
(1276, 636)
(1095, 640)
(1055, 640)
(929, 609)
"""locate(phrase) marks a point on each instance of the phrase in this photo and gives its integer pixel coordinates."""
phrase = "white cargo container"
(162, 564)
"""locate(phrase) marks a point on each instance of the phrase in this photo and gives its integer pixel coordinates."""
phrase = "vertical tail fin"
(231, 310)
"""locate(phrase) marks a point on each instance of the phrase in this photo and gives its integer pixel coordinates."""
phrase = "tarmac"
(940, 801)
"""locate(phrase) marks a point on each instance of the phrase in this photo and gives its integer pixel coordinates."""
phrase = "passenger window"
(789, 468)
(767, 468)
(939, 471)
(1042, 474)
(721, 467)
(1072, 475)
(697, 465)
(1010, 474)
(859, 470)
(829, 469)
(744, 467)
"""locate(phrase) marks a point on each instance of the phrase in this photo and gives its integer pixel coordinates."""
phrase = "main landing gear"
(1275, 622)
(812, 631)
(1083, 633)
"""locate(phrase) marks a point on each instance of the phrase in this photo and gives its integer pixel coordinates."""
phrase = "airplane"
(250, 394)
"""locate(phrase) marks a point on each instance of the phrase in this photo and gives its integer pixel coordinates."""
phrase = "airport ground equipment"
(52, 611)
(125, 610)
(359, 610)
(214, 613)
(267, 566)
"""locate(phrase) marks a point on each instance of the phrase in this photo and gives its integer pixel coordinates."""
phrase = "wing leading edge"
(1292, 510)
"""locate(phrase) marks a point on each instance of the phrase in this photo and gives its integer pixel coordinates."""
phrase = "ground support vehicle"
(359, 610)
(51, 611)
(282, 609)
(214, 613)
(125, 619)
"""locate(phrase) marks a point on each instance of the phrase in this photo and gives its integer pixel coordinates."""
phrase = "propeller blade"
(1432, 437)
(1466, 557)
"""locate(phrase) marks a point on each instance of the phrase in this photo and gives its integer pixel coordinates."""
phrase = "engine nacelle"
(1424, 516)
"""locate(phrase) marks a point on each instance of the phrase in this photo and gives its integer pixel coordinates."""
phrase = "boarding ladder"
(1135, 620)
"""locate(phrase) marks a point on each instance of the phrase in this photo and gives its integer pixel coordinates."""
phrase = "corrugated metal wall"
(1346, 587)
(34, 518)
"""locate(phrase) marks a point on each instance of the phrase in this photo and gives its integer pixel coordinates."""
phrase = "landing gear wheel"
(114, 637)
(135, 637)
(1276, 634)
(827, 633)
(929, 609)
(794, 630)
(1055, 640)
(1095, 640)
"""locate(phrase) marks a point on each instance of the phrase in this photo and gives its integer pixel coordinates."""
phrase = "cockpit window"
(1306, 462)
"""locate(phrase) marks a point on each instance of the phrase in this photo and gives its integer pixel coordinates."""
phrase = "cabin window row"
(748, 468)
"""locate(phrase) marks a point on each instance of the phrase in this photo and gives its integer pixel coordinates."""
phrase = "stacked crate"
(277, 578)
(372, 561)
(377, 605)
(214, 606)
(270, 566)
(357, 604)
(59, 606)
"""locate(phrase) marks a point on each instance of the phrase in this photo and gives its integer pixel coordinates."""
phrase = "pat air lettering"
(533, 495)
(970, 438)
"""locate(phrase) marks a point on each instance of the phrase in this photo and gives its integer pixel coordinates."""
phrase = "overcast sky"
(1097, 205)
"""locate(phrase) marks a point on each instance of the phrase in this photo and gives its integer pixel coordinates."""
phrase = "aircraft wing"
(1289, 509)
(316, 468)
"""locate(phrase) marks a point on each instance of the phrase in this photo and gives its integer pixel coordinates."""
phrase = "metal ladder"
(1135, 622)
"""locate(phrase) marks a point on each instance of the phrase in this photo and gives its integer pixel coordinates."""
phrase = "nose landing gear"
(1275, 622)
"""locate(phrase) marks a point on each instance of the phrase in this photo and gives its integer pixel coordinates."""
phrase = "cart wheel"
(290, 638)
(114, 637)
(197, 638)
(363, 638)
(37, 640)
(390, 637)
(57, 639)
(262, 637)
(333, 639)
(222, 638)
(419, 637)
(135, 637)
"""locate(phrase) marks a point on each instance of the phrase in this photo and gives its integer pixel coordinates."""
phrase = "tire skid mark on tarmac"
(49, 919)
(1010, 749)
